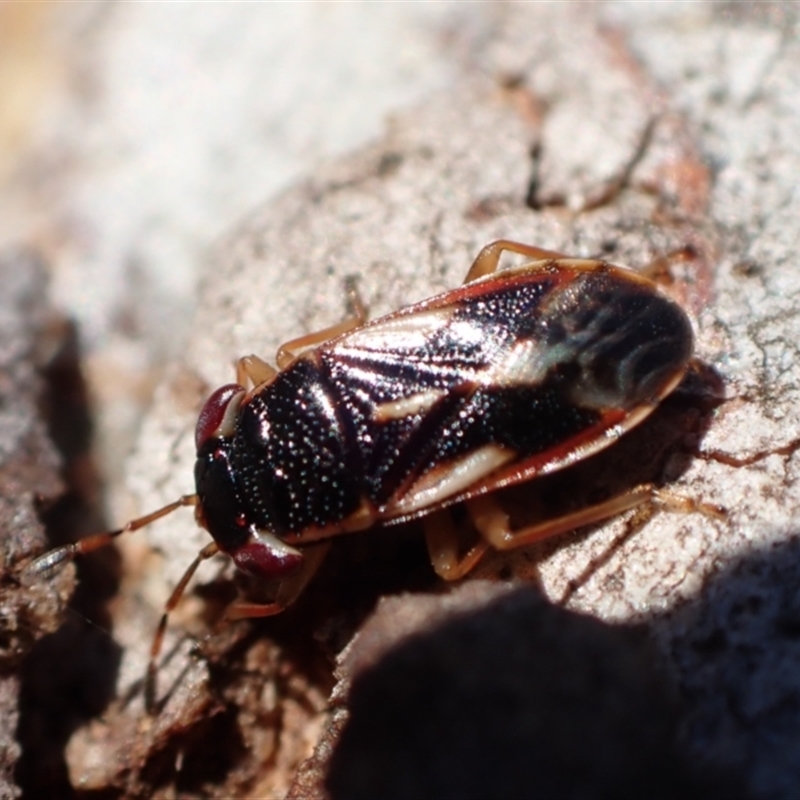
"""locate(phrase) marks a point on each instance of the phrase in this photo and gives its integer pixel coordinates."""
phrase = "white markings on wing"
(450, 478)
(526, 363)
(407, 406)
(403, 332)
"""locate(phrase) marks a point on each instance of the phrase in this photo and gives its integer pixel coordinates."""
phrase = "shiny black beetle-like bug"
(516, 374)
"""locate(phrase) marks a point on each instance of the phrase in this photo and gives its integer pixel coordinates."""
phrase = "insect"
(518, 373)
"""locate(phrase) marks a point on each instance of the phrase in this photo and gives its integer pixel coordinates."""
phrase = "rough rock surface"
(661, 135)
(29, 481)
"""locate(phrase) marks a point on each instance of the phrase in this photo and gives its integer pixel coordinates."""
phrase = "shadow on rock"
(518, 699)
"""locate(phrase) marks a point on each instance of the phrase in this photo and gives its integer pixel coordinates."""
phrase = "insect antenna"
(211, 549)
(52, 559)
(49, 561)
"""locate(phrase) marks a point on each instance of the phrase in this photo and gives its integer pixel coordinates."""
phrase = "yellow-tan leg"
(493, 523)
(488, 259)
(442, 540)
(292, 349)
(253, 370)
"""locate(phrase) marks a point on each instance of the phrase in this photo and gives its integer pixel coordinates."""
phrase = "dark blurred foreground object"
(515, 699)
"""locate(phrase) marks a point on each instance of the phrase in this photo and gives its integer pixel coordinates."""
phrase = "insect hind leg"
(494, 526)
(442, 540)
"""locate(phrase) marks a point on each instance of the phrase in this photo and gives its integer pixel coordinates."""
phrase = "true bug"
(518, 373)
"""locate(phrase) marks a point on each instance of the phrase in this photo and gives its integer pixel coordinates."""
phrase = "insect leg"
(211, 549)
(442, 540)
(289, 590)
(293, 348)
(659, 269)
(487, 260)
(255, 370)
(493, 523)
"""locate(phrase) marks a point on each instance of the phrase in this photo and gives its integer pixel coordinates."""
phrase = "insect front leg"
(290, 588)
(488, 259)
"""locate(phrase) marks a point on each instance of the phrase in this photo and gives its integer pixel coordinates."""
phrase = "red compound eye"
(218, 414)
